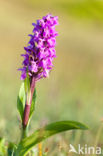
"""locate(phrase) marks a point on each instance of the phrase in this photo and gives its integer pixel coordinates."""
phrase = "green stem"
(24, 132)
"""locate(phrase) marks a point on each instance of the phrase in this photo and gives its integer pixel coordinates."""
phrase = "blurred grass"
(74, 90)
(89, 9)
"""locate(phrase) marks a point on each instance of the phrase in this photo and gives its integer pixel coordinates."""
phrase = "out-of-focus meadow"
(74, 90)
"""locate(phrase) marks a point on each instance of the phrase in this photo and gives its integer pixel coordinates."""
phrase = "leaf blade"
(21, 100)
(32, 108)
(43, 133)
(22, 97)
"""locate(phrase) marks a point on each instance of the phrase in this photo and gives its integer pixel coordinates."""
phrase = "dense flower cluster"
(40, 50)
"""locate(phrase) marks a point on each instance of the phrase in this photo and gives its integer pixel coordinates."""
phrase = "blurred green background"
(74, 90)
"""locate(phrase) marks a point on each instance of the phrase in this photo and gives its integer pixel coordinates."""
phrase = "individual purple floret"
(41, 49)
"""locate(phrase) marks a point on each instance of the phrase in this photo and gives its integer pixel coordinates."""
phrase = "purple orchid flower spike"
(41, 49)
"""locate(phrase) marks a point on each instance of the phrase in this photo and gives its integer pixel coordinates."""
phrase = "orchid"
(37, 64)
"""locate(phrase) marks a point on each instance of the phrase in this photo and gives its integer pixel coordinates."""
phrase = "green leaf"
(3, 149)
(26, 144)
(21, 100)
(11, 149)
(33, 104)
(22, 97)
